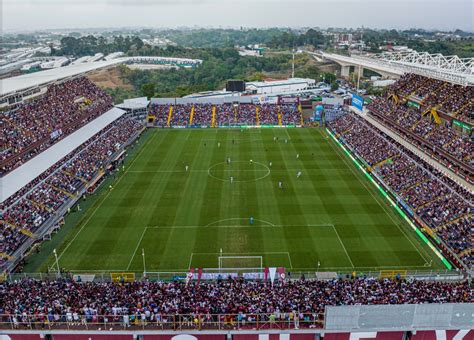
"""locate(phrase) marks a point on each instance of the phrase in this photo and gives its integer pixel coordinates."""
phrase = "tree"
(148, 90)
(329, 78)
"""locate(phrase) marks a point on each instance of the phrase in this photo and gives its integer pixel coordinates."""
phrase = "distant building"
(279, 86)
(250, 50)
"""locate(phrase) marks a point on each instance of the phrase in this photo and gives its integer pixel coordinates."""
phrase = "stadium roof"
(284, 82)
(134, 103)
(23, 82)
(18, 178)
(26, 81)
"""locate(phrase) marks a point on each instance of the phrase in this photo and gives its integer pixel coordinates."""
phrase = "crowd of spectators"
(31, 127)
(202, 114)
(452, 99)
(157, 302)
(226, 114)
(24, 213)
(410, 122)
(443, 205)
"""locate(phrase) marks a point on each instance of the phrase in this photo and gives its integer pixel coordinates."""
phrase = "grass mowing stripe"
(381, 204)
(143, 147)
(193, 213)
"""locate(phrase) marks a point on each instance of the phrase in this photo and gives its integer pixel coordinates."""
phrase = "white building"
(290, 85)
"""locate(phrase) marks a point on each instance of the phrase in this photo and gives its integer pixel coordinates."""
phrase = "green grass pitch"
(181, 219)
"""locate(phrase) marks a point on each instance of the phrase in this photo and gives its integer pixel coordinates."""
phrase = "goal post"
(241, 263)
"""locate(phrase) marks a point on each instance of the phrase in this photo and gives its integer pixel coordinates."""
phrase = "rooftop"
(18, 178)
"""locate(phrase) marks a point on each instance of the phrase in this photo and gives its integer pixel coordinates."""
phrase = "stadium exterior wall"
(429, 334)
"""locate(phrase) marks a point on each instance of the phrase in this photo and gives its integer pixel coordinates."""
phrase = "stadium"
(238, 216)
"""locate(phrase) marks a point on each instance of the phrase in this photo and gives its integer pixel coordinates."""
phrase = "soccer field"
(331, 214)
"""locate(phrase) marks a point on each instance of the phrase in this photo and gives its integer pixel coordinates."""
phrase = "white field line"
(105, 198)
(136, 248)
(343, 246)
(260, 253)
(289, 258)
(239, 170)
(238, 219)
(174, 270)
(239, 226)
(380, 204)
(401, 267)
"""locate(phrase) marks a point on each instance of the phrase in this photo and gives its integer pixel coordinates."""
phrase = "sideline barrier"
(232, 126)
(164, 322)
(422, 275)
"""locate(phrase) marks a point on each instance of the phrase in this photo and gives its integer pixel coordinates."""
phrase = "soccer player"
(286, 141)
(231, 179)
(297, 155)
(186, 167)
(270, 164)
(298, 174)
(228, 160)
(218, 144)
(280, 185)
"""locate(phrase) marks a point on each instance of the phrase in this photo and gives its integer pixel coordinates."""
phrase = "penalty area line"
(240, 226)
(343, 246)
(136, 248)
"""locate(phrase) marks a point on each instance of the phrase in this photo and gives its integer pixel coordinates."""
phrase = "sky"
(28, 15)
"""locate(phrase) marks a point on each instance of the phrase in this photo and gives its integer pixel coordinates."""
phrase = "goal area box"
(241, 262)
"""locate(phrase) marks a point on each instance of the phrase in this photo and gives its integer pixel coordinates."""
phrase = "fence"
(174, 322)
(215, 273)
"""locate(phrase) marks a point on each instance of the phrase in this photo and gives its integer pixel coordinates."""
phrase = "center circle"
(239, 171)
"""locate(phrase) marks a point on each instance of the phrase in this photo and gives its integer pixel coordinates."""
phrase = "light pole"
(57, 261)
(293, 64)
(143, 256)
(358, 76)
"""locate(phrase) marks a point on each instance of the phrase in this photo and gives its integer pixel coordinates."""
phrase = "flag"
(199, 275)
(281, 273)
(272, 271)
(189, 276)
(265, 273)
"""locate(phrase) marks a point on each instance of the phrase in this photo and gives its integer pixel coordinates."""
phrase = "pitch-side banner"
(357, 101)
(272, 272)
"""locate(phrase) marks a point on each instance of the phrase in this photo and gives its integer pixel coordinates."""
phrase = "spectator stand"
(375, 151)
(228, 303)
(183, 112)
(67, 184)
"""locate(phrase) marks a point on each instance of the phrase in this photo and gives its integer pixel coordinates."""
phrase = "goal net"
(241, 262)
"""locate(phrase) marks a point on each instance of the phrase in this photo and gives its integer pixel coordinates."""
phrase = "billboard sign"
(357, 101)
(288, 100)
(318, 112)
